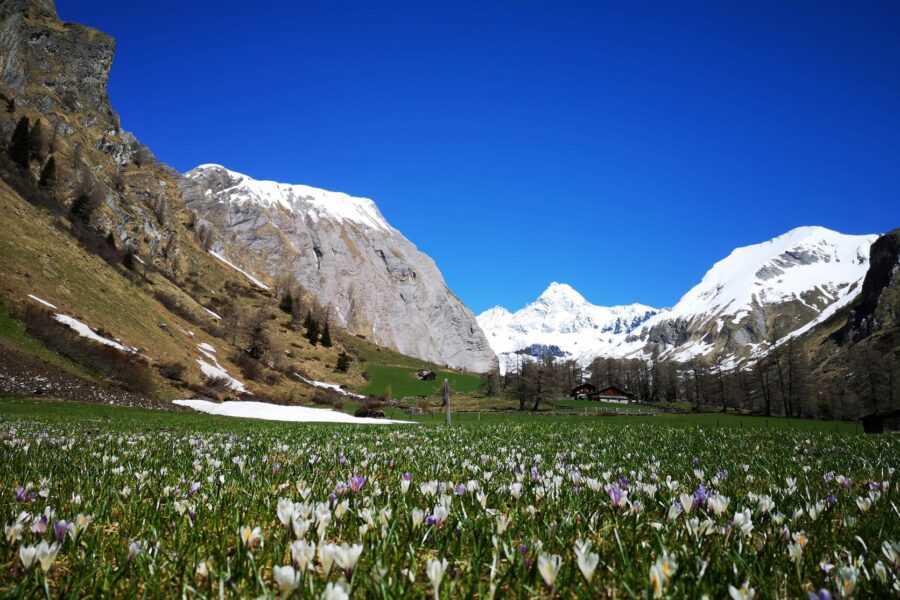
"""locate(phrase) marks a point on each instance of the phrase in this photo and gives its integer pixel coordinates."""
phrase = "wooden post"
(447, 399)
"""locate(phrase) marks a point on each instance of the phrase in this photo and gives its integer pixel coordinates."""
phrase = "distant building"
(582, 391)
(425, 375)
(882, 421)
(611, 394)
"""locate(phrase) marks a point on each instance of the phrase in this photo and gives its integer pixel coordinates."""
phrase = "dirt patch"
(28, 375)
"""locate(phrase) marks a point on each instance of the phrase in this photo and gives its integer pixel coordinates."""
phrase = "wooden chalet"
(580, 392)
(611, 394)
(882, 421)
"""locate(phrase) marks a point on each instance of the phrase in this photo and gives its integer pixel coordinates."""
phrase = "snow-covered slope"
(562, 317)
(756, 295)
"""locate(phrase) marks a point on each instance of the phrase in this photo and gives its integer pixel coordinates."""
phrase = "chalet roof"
(883, 414)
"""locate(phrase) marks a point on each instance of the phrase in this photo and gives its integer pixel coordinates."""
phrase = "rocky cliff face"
(878, 305)
(373, 280)
(56, 73)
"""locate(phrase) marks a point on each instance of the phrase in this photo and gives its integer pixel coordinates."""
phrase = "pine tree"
(36, 142)
(128, 258)
(343, 362)
(48, 173)
(287, 303)
(83, 207)
(312, 330)
(18, 146)
(326, 336)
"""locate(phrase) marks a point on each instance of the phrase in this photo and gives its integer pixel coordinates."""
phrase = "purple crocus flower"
(848, 483)
(831, 499)
(342, 459)
(822, 595)
(460, 489)
(194, 488)
(722, 475)
(430, 520)
(332, 496)
(523, 549)
(615, 495)
(700, 496)
(20, 494)
(695, 461)
(535, 475)
(623, 482)
(60, 528)
(406, 477)
(357, 482)
(275, 468)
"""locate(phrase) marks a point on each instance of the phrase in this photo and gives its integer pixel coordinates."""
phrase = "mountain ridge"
(751, 298)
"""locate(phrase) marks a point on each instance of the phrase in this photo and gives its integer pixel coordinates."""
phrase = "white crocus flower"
(435, 569)
(548, 567)
(335, 591)
(285, 511)
(745, 592)
(46, 554)
(587, 560)
(303, 553)
(27, 554)
(287, 579)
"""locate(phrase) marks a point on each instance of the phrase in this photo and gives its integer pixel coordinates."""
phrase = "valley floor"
(121, 501)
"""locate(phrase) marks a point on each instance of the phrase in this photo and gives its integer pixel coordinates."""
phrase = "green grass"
(131, 471)
(403, 382)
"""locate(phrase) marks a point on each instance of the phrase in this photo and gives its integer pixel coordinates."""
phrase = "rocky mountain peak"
(373, 280)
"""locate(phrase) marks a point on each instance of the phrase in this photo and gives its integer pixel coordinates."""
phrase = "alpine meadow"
(612, 311)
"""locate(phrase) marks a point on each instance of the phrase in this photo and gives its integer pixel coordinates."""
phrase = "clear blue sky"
(620, 147)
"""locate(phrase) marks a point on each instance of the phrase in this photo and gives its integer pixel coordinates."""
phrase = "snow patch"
(215, 370)
(327, 386)
(44, 302)
(86, 332)
(276, 412)
(253, 279)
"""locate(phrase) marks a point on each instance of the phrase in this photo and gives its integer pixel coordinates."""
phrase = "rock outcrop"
(373, 280)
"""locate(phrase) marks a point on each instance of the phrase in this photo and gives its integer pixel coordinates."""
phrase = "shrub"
(343, 362)
(172, 370)
(371, 407)
(129, 371)
(249, 366)
(326, 398)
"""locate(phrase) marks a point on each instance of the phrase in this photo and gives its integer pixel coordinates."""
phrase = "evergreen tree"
(287, 303)
(36, 142)
(343, 362)
(83, 207)
(48, 173)
(326, 336)
(128, 258)
(18, 146)
(312, 330)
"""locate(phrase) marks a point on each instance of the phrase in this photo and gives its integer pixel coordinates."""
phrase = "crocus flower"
(27, 554)
(548, 567)
(286, 578)
(46, 554)
(335, 591)
(745, 592)
(250, 537)
(435, 569)
(60, 528)
(587, 560)
(357, 482)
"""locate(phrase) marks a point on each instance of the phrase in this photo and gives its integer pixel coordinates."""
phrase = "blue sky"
(619, 147)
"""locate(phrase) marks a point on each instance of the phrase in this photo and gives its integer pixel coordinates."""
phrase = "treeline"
(860, 380)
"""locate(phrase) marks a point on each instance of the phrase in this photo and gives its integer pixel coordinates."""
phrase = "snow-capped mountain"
(562, 317)
(373, 280)
(754, 297)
